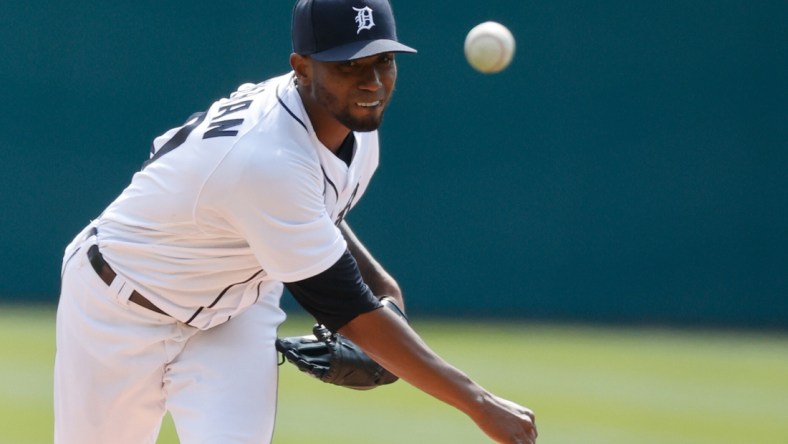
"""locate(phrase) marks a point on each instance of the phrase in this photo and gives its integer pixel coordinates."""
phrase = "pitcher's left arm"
(375, 276)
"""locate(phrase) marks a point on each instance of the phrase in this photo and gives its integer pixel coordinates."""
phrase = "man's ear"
(302, 67)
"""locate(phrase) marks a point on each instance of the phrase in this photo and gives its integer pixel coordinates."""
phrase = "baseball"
(489, 47)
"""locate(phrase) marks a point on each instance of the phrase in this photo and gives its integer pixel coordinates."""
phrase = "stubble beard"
(343, 115)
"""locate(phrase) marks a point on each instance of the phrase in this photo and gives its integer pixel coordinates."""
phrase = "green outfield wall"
(630, 166)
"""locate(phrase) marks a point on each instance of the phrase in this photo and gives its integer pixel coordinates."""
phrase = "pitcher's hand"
(505, 421)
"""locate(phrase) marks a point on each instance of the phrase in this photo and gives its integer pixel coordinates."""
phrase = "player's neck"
(330, 134)
(328, 130)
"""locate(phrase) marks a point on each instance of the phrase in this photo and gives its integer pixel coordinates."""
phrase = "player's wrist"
(479, 404)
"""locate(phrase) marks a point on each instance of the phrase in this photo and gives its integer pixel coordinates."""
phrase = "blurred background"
(629, 167)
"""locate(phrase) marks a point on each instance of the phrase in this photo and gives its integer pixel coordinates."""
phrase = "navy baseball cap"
(338, 30)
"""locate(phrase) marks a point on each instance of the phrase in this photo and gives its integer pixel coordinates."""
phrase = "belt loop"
(121, 288)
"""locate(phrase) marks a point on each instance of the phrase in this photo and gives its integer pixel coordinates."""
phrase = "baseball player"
(170, 298)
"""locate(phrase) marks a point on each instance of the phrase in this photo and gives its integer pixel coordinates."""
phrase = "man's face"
(354, 93)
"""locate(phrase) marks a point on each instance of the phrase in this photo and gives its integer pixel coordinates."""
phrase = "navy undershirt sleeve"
(337, 295)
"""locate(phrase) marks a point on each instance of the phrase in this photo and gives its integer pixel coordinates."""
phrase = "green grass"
(587, 385)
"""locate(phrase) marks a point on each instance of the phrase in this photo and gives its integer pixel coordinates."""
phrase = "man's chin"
(366, 125)
(365, 128)
(362, 125)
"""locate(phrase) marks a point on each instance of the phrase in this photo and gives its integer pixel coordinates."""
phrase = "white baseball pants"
(119, 367)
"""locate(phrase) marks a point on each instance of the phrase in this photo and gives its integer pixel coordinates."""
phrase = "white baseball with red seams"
(489, 47)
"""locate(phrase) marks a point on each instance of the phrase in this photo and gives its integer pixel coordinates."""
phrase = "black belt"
(105, 272)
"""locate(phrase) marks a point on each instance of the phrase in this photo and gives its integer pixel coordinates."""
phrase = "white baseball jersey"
(246, 197)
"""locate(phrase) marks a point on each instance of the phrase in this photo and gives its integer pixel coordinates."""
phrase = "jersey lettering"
(233, 107)
(220, 128)
(177, 140)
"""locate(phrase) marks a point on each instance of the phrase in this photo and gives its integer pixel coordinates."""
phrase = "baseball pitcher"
(170, 297)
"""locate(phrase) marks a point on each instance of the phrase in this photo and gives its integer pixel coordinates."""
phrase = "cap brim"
(357, 50)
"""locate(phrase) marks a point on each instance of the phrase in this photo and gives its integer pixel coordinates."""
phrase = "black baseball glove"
(335, 359)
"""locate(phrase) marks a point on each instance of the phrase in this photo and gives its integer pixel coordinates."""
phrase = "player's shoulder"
(248, 116)
(269, 157)
(247, 104)
(264, 92)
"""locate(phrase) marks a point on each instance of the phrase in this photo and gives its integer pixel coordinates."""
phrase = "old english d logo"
(364, 18)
